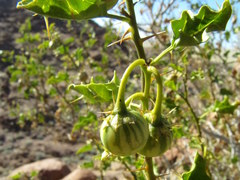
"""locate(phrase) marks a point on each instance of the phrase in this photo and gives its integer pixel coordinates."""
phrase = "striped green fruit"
(160, 138)
(124, 134)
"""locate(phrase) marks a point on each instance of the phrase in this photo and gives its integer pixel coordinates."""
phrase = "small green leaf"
(176, 67)
(88, 164)
(60, 77)
(16, 176)
(69, 9)
(197, 74)
(225, 107)
(171, 84)
(235, 159)
(86, 148)
(98, 92)
(198, 170)
(192, 30)
(178, 132)
(84, 121)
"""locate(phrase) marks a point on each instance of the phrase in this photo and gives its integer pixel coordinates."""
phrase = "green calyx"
(124, 134)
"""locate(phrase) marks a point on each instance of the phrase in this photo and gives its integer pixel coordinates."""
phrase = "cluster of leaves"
(44, 68)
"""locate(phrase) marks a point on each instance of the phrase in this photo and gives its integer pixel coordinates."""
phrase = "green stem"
(141, 54)
(138, 95)
(128, 168)
(195, 117)
(197, 121)
(117, 17)
(134, 29)
(150, 174)
(147, 76)
(120, 103)
(158, 104)
(163, 53)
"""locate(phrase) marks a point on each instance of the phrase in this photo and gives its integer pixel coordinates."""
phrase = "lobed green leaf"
(198, 170)
(68, 9)
(98, 92)
(191, 30)
(224, 107)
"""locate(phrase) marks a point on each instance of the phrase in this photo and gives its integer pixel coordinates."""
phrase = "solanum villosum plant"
(127, 131)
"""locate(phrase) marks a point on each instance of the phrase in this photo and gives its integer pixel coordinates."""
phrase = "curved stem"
(136, 96)
(158, 104)
(120, 103)
(159, 57)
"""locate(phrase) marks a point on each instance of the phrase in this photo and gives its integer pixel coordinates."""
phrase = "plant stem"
(196, 118)
(158, 104)
(145, 84)
(150, 174)
(138, 95)
(120, 103)
(147, 76)
(163, 53)
(134, 30)
(128, 168)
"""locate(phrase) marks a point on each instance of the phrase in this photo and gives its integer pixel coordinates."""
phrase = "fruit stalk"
(120, 106)
(158, 104)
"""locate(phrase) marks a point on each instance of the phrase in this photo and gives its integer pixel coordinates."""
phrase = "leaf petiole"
(117, 17)
(162, 54)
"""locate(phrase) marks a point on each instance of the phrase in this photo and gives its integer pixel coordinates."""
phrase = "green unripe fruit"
(125, 133)
(160, 138)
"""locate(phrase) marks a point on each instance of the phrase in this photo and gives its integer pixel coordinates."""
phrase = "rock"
(81, 174)
(117, 175)
(48, 169)
(95, 54)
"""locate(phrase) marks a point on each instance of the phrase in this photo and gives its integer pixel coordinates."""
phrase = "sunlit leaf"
(86, 148)
(171, 84)
(192, 30)
(68, 9)
(60, 77)
(225, 107)
(88, 164)
(16, 176)
(98, 92)
(84, 121)
(198, 170)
